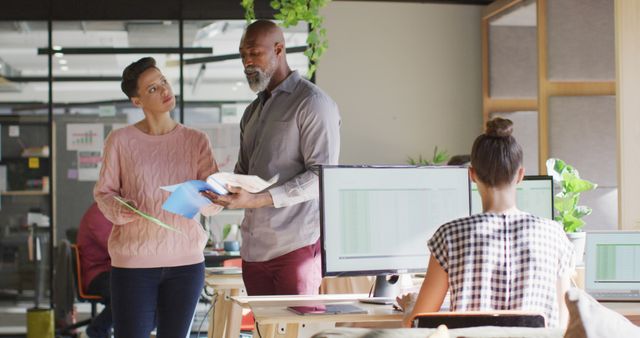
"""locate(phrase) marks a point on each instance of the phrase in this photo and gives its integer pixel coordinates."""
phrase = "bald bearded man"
(291, 126)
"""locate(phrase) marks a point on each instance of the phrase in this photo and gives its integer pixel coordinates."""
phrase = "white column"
(627, 21)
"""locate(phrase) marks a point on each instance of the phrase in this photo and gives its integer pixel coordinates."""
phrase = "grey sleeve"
(319, 124)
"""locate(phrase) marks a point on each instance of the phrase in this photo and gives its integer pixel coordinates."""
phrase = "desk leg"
(219, 315)
(234, 317)
(288, 330)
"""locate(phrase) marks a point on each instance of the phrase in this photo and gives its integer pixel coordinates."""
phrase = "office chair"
(455, 320)
(247, 318)
(81, 295)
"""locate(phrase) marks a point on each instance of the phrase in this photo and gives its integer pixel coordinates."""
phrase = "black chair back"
(454, 320)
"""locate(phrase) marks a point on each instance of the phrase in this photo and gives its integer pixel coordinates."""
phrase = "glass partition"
(89, 57)
(25, 204)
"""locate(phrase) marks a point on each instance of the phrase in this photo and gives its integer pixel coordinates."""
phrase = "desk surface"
(224, 281)
(273, 309)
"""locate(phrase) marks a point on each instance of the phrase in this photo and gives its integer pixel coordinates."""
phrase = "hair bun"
(499, 127)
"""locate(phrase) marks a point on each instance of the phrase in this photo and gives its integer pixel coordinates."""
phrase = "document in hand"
(186, 199)
(146, 216)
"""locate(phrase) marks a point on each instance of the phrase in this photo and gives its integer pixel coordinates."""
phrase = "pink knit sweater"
(135, 166)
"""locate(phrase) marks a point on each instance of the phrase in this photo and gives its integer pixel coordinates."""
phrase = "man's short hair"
(130, 75)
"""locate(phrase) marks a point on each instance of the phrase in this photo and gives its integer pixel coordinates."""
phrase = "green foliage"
(226, 229)
(290, 12)
(439, 157)
(249, 13)
(566, 201)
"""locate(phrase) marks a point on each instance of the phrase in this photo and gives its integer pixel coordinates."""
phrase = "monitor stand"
(385, 290)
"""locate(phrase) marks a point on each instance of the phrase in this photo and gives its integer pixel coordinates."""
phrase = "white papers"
(89, 163)
(186, 198)
(250, 183)
(85, 136)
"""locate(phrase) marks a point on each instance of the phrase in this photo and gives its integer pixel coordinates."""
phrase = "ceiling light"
(58, 55)
(234, 88)
(239, 84)
(64, 68)
(62, 61)
(57, 48)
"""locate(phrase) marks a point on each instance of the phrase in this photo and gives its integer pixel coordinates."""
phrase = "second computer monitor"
(533, 195)
(377, 220)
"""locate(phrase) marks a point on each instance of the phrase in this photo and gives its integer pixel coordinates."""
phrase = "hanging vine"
(290, 12)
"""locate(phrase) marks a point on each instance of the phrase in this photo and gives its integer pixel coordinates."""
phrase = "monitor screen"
(377, 220)
(612, 261)
(533, 195)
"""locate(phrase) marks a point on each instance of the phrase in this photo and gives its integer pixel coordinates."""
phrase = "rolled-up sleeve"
(319, 125)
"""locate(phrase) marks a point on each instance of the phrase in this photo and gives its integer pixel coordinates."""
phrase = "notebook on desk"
(612, 265)
(326, 309)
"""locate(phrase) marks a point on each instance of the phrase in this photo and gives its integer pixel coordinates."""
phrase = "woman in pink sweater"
(157, 274)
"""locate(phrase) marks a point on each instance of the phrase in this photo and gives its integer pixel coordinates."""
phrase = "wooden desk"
(226, 316)
(274, 320)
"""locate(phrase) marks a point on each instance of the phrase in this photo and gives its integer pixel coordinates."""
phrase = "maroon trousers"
(295, 273)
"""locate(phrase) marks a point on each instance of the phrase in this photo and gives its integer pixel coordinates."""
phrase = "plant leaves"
(578, 185)
(565, 203)
(225, 231)
(571, 223)
(581, 211)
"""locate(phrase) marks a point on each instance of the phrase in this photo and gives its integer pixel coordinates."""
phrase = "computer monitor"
(376, 220)
(612, 265)
(533, 195)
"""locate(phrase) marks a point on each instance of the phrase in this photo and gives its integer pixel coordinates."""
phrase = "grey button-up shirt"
(287, 133)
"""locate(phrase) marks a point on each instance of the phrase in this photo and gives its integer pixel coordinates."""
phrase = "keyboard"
(616, 296)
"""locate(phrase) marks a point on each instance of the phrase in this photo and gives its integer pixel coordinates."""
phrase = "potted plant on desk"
(569, 213)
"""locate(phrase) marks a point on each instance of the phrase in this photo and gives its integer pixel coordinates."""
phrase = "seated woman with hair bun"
(503, 258)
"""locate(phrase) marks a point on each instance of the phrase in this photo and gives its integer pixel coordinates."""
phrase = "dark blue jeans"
(101, 324)
(166, 296)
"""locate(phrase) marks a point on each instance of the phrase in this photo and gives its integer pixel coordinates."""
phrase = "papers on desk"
(223, 270)
(186, 198)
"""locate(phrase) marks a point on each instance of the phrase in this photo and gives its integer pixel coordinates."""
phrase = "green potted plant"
(566, 201)
(439, 157)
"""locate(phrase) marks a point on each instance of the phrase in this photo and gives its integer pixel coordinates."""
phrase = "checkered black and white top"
(503, 262)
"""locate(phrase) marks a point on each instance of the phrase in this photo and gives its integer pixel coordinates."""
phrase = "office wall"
(407, 77)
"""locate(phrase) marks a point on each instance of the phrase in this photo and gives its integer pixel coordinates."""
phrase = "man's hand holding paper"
(223, 189)
(239, 198)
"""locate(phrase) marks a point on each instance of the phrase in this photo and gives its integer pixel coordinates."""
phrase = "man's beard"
(261, 79)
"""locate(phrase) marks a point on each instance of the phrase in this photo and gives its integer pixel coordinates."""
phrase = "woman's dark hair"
(130, 75)
(495, 155)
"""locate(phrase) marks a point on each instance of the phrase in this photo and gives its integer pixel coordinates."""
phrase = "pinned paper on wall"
(232, 113)
(14, 131)
(34, 163)
(85, 136)
(106, 111)
(72, 174)
(89, 163)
